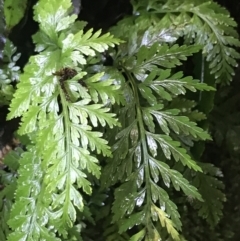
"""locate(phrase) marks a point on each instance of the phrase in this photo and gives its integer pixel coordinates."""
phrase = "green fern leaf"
(100, 87)
(9, 182)
(135, 148)
(172, 148)
(178, 181)
(205, 23)
(211, 27)
(135, 219)
(165, 85)
(149, 59)
(52, 25)
(177, 123)
(165, 222)
(58, 109)
(138, 236)
(211, 190)
(29, 204)
(166, 204)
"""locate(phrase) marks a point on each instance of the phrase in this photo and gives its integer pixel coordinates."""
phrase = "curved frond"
(55, 99)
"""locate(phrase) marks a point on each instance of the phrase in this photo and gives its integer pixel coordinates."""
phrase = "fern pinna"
(135, 118)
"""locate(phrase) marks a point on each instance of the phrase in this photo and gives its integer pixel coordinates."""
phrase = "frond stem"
(67, 141)
(144, 144)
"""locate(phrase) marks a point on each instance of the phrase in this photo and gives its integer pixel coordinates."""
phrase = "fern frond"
(165, 222)
(150, 58)
(169, 175)
(211, 190)
(179, 124)
(55, 104)
(206, 23)
(30, 203)
(102, 88)
(139, 144)
(141, 170)
(6, 202)
(172, 148)
(166, 85)
(8, 181)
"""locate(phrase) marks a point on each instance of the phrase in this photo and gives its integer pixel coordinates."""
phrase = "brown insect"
(67, 74)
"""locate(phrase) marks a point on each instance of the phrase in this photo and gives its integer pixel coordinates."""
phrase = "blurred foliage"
(2, 30)
(9, 73)
(14, 11)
